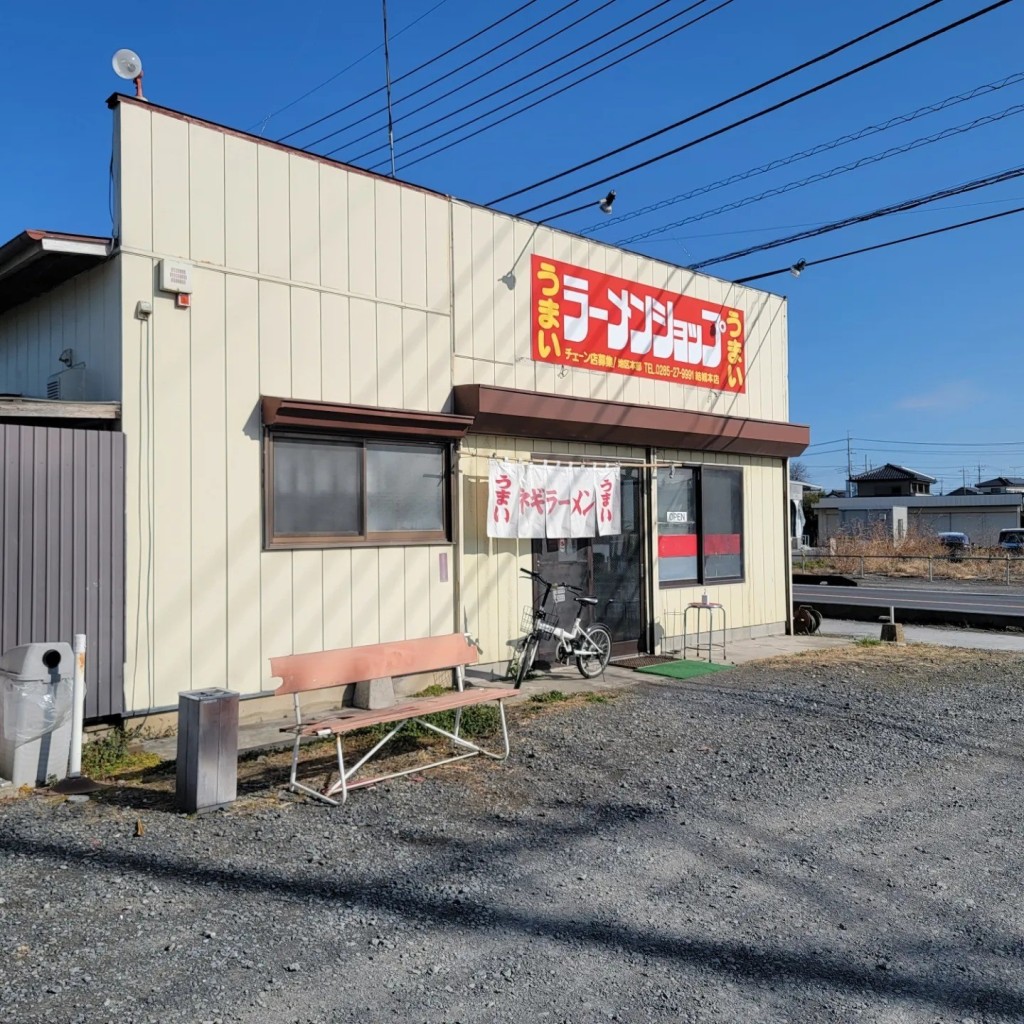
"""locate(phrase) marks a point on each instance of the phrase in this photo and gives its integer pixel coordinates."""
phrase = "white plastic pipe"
(77, 706)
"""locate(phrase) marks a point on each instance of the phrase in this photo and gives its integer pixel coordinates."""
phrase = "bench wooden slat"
(322, 669)
(358, 718)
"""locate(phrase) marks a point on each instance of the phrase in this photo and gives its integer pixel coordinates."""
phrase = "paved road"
(991, 602)
(943, 636)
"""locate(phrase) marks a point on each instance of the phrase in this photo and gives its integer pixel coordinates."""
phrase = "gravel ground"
(827, 837)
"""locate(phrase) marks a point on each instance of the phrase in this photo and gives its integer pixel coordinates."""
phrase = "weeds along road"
(833, 836)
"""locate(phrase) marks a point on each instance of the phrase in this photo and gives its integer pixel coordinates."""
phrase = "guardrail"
(1005, 568)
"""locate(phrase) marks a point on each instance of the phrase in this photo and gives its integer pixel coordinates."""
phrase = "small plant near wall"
(113, 754)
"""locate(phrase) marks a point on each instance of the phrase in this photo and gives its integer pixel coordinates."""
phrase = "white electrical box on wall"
(175, 277)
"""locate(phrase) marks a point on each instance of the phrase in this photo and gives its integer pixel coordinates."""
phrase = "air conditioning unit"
(67, 386)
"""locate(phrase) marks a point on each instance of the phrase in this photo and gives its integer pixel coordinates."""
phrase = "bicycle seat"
(586, 600)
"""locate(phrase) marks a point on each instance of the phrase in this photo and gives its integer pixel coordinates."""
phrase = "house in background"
(1002, 485)
(891, 481)
(980, 516)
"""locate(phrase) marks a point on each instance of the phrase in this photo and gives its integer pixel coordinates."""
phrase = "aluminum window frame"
(702, 578)
(323, 541)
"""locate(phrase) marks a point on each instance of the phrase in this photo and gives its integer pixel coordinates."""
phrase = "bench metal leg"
(345, 784)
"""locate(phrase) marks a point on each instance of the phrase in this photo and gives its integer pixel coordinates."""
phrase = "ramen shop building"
(353, 409)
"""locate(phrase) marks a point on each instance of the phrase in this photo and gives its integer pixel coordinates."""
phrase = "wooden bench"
(304, 673)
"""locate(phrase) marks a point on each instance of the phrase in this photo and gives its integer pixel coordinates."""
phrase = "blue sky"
(918, 343)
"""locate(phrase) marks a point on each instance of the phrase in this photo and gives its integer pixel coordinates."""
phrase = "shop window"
(700, 525)
(330, 491)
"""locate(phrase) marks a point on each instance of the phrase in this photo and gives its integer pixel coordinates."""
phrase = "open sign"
(676, 517)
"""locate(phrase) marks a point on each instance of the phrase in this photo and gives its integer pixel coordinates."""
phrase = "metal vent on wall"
(69, 385)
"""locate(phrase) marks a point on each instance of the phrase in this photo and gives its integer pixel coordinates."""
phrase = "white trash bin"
(36, 684)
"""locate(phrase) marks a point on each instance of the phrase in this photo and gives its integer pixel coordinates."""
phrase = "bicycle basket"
(529, 619)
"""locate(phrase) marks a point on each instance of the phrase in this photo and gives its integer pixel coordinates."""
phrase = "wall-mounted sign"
(599, 322)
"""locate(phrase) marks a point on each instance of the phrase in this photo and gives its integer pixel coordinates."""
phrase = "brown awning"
(362, 419)
(562, 418)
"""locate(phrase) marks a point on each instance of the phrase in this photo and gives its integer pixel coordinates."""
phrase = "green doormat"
(684, 669)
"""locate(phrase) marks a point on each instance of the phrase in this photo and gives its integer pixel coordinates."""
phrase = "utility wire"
(886, 245)
(942, 444)
(862, 218)
(842, 140)
(490, 71)
(347, 68)
(819, 223)
(450, 74)
(707, 110)
(433, 60)
(833, 172)
(533, 73)
(775, 106)
(560, 91)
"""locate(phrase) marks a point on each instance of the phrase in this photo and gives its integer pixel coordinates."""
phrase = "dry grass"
(873, 552)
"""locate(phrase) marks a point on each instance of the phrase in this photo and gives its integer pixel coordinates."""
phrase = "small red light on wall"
(182, 300)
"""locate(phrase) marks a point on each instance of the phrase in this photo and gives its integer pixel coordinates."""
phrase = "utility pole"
(963, 470)
(849, 467)
(387, 77)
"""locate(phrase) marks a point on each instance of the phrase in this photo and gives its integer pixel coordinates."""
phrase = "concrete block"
(892, 632)
(374, 694)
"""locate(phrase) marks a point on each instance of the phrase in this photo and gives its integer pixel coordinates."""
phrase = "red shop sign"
(599, 322)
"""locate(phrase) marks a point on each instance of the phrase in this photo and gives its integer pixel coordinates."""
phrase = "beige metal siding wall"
(84, 315)
(310, 282)
(492, 319)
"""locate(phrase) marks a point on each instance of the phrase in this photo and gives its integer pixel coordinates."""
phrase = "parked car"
(1012, 541)
(956, 543)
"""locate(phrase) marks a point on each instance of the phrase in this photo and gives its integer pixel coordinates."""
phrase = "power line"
(508, 85)
(347, 68)
(533, 73)
(842, 140)
(944, 444)
(708, 110)
(419, 67)
(834, 172)
(774, 107)
(883, 245)
(818, 223)
(885, 211)
(450, 74)
(556, 93)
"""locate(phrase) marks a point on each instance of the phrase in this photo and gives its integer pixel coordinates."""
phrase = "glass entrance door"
(608, 568)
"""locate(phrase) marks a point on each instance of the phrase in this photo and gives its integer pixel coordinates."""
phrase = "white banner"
(503, 498)
(584, 502)
(536, 500)
(558, 502)
(532, 500)
(609, 501)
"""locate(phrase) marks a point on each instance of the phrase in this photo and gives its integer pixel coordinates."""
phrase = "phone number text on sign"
(598, 322)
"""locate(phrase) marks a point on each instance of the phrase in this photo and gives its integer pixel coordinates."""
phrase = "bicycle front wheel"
(593, 661)
(526, 659)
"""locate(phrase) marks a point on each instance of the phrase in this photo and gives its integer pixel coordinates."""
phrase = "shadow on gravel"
(763, 964)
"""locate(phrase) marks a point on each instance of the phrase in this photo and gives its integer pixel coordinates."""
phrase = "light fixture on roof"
(605, 205)
(798, 267)
(128, 65)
